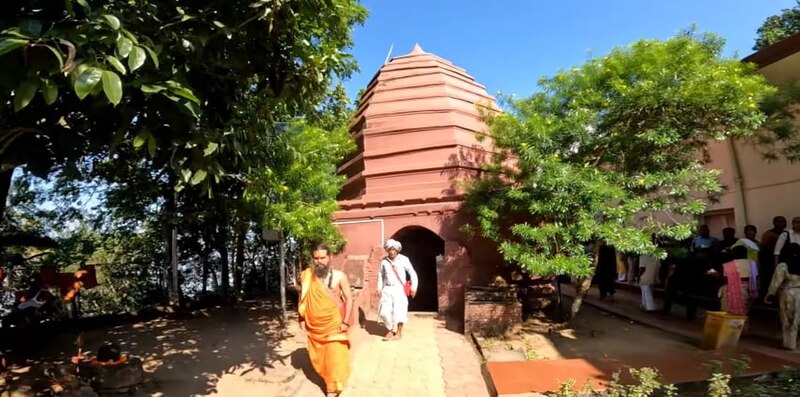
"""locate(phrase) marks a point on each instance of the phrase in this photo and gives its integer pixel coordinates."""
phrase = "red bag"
(406, 285)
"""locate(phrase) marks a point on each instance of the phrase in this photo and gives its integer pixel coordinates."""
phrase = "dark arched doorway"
(422, 246)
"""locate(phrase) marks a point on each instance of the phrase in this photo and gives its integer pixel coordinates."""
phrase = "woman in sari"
(786, 284)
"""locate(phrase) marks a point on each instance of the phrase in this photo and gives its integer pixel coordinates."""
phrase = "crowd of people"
(729, 274)
(733, 272)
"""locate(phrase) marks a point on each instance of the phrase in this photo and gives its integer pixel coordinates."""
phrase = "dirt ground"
(593, 333)
(235, 351)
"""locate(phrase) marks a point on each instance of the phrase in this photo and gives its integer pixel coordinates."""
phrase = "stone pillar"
(452, 274)
(354, 268)
(366, 304)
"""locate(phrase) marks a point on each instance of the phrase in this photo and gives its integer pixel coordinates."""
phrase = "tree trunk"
(282, 250)
(173, 285)
(165, 233)
(238, 269)
(214, 280)
(582, 285)
(581, 288)
(176, 281)
(204, 288)
(265, 266)
(207, 246)
(5, 188)
(225, 282)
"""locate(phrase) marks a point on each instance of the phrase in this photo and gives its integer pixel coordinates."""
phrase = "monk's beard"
(321, 271)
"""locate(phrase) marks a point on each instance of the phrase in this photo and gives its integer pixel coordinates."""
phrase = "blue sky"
(507, 45)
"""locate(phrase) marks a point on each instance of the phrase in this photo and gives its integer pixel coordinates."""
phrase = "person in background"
(750, 243)
(676, 269)
(393, 305)
(622, 267)
(788, 236)
(786, 283)
(704, 250)
(766, 261)
(728, 240)
(633, 268)
(703, 256)
(648, 272)
(741, 285)
(606, 272)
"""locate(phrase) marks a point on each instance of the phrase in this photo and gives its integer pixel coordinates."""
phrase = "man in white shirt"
(392, 290)
(648, 266)
(792, 235)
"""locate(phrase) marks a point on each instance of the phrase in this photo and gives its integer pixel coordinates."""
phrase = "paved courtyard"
(244, 351)
(428, 361)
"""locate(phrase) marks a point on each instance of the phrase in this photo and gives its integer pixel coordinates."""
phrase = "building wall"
(467, 260)
(418, 128)
(764, 189)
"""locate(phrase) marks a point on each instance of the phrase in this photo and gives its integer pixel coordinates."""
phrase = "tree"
(188, 64)
(779, 138)
(61, 90)
(303, 186)
(613, 151)
(144, 96)
(778, 27)
(298, 192)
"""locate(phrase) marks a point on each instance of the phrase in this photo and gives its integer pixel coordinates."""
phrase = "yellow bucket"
(722, 330)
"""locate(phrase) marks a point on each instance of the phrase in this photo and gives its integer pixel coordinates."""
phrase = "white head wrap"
(392, 243)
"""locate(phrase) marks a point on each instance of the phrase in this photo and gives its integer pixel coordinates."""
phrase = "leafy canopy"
(298, 192)
(778, 27)
(79, 78)
(614, 151)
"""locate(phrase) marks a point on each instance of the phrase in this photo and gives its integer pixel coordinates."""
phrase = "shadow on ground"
(301, 361)
(195, 355)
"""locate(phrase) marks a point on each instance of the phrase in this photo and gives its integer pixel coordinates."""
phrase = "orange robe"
(328, 346)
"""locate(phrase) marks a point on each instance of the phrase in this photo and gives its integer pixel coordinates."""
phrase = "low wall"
(491, 310)
(539, 295)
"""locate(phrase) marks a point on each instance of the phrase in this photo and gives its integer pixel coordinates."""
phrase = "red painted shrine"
(417, 131)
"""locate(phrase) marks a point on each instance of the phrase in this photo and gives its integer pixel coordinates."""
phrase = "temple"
(418, 130)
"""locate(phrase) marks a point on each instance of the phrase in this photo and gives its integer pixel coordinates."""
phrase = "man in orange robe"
(325, 300)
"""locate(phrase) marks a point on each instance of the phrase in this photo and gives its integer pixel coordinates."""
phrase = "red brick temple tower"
(417, 131)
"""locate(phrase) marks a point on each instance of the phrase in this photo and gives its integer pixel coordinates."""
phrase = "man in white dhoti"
(648, 266)
(394, 289)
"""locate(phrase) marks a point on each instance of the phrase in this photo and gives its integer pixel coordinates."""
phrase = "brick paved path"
(428, 361)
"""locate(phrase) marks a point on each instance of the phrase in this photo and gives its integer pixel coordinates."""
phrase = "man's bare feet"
(389, 336)
(332, 394)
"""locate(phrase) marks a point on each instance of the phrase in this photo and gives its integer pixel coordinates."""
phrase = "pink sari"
(734, 289)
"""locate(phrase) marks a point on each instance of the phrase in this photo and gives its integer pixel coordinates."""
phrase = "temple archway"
(422, 247)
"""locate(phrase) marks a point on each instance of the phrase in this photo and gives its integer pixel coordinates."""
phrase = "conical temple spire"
(417, 49)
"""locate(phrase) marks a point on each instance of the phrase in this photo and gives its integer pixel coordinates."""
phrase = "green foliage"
(299, 189)
(778, 27)
(614, 151)
(719, 385)
(779, 139)
(162, 76)
(646, 383)
(67, 103)
(127, 277)
(137, 100)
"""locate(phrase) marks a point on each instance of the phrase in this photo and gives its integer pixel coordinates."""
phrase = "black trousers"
(682, 284)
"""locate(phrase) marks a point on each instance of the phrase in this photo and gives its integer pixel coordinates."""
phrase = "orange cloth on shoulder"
(328, 345)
